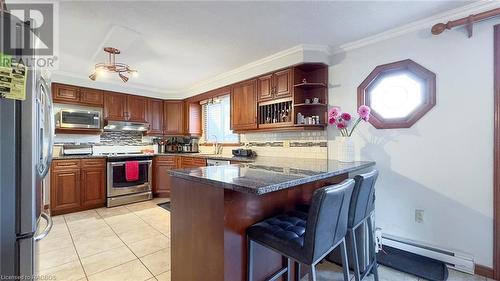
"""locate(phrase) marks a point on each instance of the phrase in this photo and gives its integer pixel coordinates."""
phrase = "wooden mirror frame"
(429, 80)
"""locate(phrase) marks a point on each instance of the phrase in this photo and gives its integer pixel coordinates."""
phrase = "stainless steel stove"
(119, 190)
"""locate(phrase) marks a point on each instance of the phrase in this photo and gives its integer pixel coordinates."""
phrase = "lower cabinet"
(161, 177)
(161, 166)
(77, 185)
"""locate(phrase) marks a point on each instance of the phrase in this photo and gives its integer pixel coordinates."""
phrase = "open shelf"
(310, 104)
(308, 85)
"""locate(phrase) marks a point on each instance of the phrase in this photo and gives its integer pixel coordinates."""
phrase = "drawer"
(65, 164)
(94, 163)
(199, 162)
(165, 160)
(186, 161)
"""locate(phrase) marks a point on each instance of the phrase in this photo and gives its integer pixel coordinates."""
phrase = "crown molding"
(428, 22)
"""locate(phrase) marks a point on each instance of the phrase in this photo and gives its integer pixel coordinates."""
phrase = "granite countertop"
(268, 174)
(62, 157)
(197, 155)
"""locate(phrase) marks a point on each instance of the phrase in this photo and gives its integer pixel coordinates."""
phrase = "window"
(399, 94)
(216, 121)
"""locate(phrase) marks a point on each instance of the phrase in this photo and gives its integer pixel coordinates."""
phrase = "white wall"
(444, 163)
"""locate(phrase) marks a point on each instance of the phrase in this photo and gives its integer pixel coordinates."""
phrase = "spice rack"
(276, 113)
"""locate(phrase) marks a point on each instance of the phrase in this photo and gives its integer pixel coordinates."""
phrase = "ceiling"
(175, 45)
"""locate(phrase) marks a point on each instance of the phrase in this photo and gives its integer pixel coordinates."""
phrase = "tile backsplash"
(106, 138)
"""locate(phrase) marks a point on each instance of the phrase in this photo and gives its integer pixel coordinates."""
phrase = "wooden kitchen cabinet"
(136, 108)
(192, 162)
(282, 83)
(91, 97)
(173, 117)
(77, 185)
(62, 93)
(115, 105)
(265, 87)
(93, 183)
(193, 119)
(154, 116)
(65, 193)
(244, 105)
(161, 178)
(275, 85)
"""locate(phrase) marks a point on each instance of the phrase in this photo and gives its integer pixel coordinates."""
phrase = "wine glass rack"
(275, 114)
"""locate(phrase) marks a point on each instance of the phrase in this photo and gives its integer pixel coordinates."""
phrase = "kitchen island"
(213, 206)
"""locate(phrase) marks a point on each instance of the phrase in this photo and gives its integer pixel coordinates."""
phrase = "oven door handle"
(123, 163)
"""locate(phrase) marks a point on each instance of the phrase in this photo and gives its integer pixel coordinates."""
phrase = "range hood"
(125, 126)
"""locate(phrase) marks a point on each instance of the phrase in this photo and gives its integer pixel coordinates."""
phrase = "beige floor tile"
(93, 233)
(159, 200)
(51, 243)
(129, 218)
(87, 225)
(136, 235)
(149, 246)
(58, 230)
(108, 259)
(89, 214)
(165, 230)
(71, 271)
(158, 262)
(131, 271)
(141, 206)
(57, 257)
(58, 220)
(127, 227)
(109, 212)
(165, 276)
(389, 274)
(88, 247)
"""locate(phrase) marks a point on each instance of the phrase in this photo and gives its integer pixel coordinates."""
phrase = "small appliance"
(77, 149)
(240, 152)
(78, 118)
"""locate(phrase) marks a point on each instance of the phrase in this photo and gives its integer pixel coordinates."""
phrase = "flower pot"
(345, 149)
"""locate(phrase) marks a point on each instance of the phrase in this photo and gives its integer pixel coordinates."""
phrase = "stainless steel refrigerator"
(26, 141)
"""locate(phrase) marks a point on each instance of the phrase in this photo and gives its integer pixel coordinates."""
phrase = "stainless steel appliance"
(179, 145)
(243, 152)
(126, 126)
(215, 162)
(26, 130)
(119, 190)
(76, 118)
(77, 149)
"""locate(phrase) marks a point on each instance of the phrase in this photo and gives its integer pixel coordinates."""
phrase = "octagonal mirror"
(398, 93)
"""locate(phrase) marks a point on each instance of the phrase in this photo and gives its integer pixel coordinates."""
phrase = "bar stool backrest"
(327, 214)
(363, 198)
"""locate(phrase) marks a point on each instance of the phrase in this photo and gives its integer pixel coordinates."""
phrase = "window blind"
(216, 121)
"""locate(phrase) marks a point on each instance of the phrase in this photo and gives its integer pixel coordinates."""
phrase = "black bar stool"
(361, 211)
(306, 238)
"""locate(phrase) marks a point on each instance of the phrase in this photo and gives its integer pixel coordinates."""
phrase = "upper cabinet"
(115, 106)
(244, 105)
(136, 108)
(193, 119)
(173, 117)
(275, 85)
(154, 115)
(76, 95)
(122, 107)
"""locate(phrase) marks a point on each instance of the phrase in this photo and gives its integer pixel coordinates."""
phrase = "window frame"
(203, 137)
(405, 66)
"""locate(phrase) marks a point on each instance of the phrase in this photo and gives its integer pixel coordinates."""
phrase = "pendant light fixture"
(112, 66)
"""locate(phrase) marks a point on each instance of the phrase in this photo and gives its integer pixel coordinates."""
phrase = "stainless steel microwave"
(71, 118)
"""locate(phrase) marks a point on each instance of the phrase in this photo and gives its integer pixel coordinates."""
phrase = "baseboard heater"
(455, 260)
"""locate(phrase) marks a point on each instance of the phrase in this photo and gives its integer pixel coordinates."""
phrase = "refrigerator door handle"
(44, 166)
(47, 229)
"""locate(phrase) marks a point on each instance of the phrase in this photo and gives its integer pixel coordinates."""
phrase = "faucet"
(216, 145)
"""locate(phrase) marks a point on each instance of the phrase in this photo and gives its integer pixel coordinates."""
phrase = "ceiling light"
(112, 66)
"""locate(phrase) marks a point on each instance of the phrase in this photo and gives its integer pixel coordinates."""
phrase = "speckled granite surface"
(63, 157)
(267, 174)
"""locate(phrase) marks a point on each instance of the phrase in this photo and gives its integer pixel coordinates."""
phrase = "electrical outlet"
(286, 143)
(419, 216)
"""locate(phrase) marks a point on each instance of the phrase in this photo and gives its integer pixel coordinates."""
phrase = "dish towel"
(132, 170)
